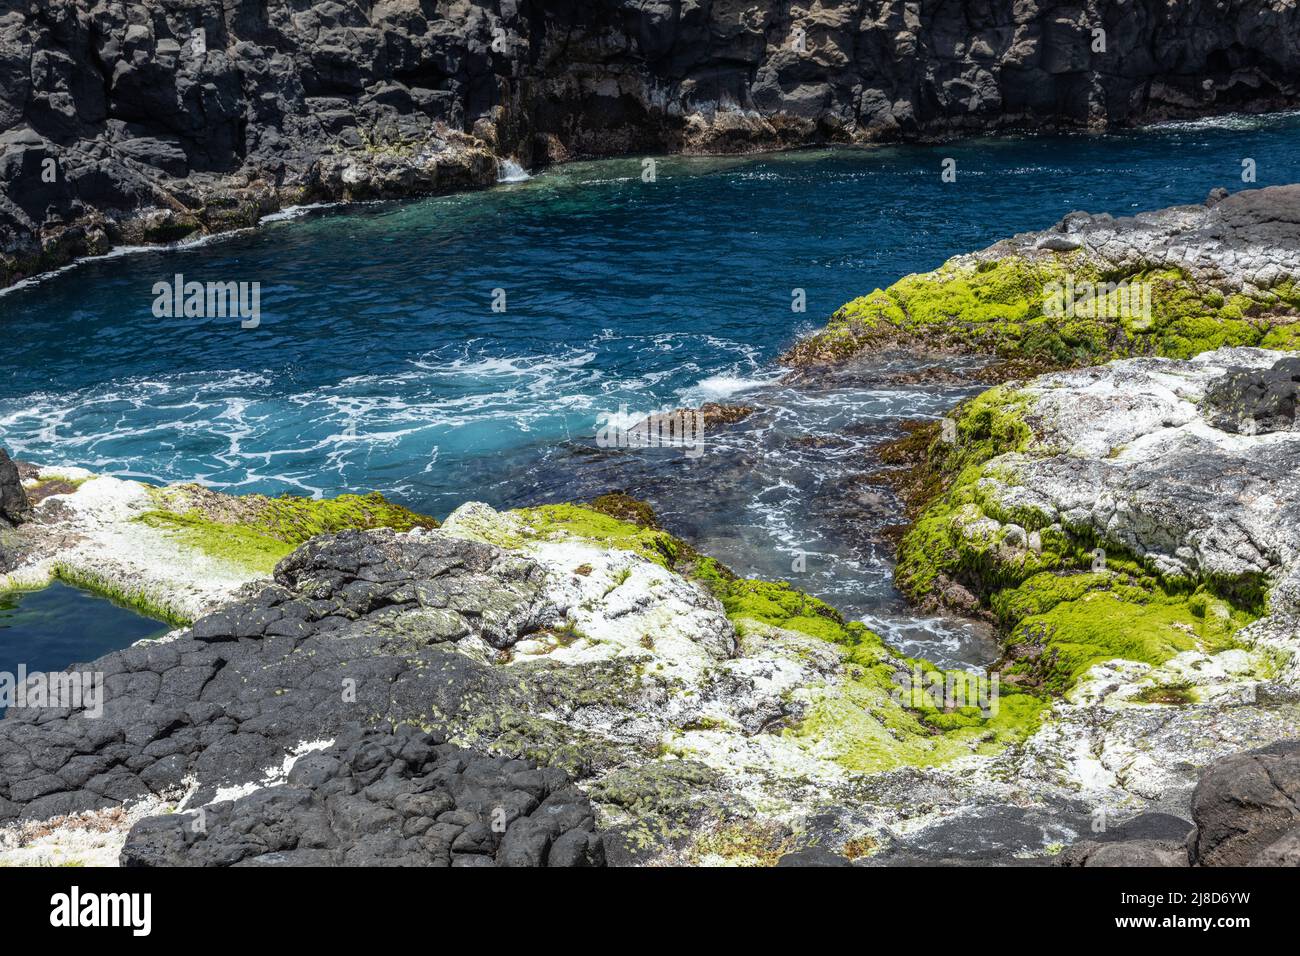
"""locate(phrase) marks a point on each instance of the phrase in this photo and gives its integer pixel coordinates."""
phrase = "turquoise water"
(379, 362)
(51, 629)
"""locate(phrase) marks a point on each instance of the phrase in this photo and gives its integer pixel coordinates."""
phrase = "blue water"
(379, 362)
(51, 629)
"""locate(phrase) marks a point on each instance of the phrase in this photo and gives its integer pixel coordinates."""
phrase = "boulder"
(14, 507)
(1246, 806)
(1255, 401)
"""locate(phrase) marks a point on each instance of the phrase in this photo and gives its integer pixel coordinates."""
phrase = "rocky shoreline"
(704, 719)
(150, 123)
(349, 681)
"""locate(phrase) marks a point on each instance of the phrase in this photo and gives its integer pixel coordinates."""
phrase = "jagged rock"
(399, 798)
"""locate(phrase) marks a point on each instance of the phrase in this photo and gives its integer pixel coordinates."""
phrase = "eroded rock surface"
(404, 798)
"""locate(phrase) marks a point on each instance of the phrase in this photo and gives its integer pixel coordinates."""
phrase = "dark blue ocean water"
(380, 364)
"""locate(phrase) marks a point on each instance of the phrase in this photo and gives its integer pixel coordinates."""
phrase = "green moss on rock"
(599, 528)
(255, 531)
(1000, 306)
(940, 543)
(1058, 614)
(866, 721)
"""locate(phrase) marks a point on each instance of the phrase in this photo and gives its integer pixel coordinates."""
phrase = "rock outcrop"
(14, 507)
(1172, 282)
(14, 510)
(321, 715)
(147, 122)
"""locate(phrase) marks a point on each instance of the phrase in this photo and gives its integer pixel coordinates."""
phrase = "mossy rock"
(1000, 306)
(255, 531)
(1057, 614)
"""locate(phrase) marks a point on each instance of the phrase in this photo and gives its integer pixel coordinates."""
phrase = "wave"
(1235, 122)
(509, 171)
(297, 212)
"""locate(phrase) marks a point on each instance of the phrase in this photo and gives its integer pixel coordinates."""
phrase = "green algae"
(988, 426)
(133, 596)
(598, 528)
(229, 543)
(865, 722)
(877, 718)
(1056, 647)
(254, 532)
(1004, 307)
(1060, 613)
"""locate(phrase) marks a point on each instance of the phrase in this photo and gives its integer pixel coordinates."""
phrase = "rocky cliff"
(150, 121)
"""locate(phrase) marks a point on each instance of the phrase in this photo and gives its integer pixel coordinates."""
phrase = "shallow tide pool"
(57, 626)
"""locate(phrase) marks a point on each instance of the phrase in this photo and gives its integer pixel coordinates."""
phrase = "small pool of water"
(58, 626)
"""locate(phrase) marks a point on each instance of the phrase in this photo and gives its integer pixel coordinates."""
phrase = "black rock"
(1245, 811)
(813, 856)
(1244, 804)
(14, 507)
(371, 799)
(352, 639)
(152, 137)
(1148, 826)
(1255, 401)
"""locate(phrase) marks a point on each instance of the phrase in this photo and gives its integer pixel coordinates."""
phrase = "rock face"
(404, 798)
(149, 121)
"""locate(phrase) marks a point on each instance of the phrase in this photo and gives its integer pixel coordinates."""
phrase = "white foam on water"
(297, 212)
(715, 388)
(184, 245)
(509, 171)
(1228, 121)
